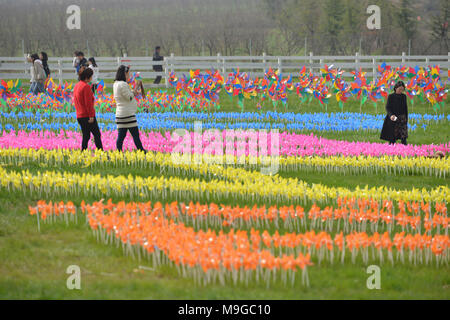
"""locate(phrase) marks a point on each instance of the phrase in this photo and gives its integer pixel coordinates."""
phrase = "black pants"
(157, 80)
(134, 133)
(86, 129)
(403, 141)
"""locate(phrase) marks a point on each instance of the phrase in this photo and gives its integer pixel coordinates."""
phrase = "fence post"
(25, 61)
(310, 62)
(374, 68)
(218, 60)
(223, 66)
(166, 72)
(280, 70)
(357, 60)
(60, 78)
(171, 62)
(118, 62)
(264, 62)
(403, 57)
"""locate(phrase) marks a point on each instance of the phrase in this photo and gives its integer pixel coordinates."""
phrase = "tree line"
(229, 27)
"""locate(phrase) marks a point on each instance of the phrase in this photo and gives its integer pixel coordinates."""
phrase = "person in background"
(94, 67)
(395, 124)
(126, 107)
(83, 99)
(75, 61)
(158, 68)
(44, 58)
(82, 62)
(37, 74)
(140, 86)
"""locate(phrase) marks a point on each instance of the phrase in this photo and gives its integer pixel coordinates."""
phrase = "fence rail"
(255, 66)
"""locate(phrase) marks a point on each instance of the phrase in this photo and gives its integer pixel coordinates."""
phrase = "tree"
(186, 27)
(353, 24)
(334, 12)
(406, 20)
(439, 27)
(311, 17)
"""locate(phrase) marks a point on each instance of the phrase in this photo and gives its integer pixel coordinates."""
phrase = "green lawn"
(33, 265)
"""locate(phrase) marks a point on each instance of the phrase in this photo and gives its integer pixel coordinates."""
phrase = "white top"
(126, 104)
(37, 71)
(95, 76)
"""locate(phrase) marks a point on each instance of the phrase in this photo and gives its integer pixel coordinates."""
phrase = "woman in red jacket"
(83, 99)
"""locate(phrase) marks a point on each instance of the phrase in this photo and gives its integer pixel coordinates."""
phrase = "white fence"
(255, 66)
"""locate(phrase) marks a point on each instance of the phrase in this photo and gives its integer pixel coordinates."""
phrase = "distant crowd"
(84, 95)
(40, 71)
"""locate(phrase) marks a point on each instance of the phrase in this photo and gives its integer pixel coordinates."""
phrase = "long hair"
(121, 74)
(85, 73)
(45, 63)
(44, 57)
(399, 84)
(94, 64)
(34, 57)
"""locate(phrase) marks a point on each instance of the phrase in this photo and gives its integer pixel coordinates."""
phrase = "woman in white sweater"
(37, 75)
(126, 107)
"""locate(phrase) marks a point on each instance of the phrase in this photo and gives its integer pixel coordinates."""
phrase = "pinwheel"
(164, 161)
(135, 223)
(10, 89)
(342, 91)
(203, 88)
(291, 144)
(205, 256)
(232, 183)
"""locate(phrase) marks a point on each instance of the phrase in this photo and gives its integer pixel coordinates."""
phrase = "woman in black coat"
(395, 124)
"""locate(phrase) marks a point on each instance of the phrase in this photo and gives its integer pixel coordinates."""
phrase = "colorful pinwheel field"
(251, 188)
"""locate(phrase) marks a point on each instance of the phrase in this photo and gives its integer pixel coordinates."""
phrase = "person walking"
(395, 124)
(83, 99)
(75, 61)
(126, 107)
(44, 58)
(94, 67)
(158, 68)
(37, 74)
(82, 62)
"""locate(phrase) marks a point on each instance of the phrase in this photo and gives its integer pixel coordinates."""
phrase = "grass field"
(33, 265)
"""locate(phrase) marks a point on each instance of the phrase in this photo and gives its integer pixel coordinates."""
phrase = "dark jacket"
(83, 63)
(396, 105)
(157, 57)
